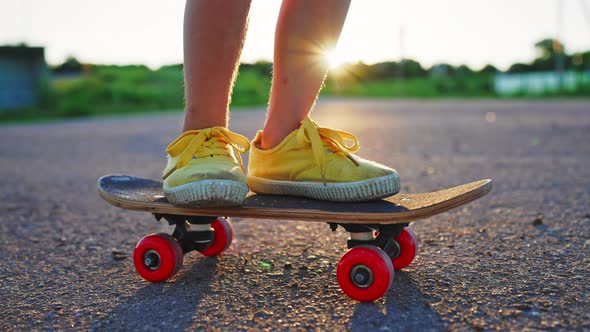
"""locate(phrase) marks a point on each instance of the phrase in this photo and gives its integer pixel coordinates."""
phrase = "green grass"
(112, 90)
(473, 87)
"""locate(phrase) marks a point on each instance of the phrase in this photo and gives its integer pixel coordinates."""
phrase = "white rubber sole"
(207, 193)
(359, 191)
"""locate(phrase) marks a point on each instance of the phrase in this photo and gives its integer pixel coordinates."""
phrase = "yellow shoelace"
(204, 143)
(317, 136)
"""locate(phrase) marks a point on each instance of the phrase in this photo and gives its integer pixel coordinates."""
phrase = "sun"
(334, 59)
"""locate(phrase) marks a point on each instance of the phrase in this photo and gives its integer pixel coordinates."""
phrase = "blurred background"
(67, 58)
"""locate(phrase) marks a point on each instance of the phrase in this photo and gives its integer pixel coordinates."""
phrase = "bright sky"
(474, 32)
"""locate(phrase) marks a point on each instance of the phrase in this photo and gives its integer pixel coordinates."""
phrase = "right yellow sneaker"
(205, 168)
(315, 162)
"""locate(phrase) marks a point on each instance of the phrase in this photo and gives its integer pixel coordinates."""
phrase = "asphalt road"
(517, 258)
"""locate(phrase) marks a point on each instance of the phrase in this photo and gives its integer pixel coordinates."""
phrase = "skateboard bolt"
(147, 261)
(151, 259)
(361, 276)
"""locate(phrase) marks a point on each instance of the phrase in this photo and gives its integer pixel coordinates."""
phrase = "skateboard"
(380, 242)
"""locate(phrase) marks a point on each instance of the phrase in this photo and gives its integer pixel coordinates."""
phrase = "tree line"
(550, 53)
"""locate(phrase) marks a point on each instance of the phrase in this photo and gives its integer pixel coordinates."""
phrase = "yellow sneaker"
(315, 162)
(205, 168)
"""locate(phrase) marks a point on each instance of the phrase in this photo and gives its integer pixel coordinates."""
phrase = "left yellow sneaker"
(205, 168)
(315, 162)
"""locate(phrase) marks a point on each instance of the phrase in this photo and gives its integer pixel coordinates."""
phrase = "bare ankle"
(195, 119)
(267, 142)
(277, 129)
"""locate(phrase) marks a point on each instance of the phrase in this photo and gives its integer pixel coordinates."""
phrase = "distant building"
(23, 75)
(538, 83)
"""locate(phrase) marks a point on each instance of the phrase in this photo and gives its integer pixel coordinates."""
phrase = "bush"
(251, 89)
(116, 89)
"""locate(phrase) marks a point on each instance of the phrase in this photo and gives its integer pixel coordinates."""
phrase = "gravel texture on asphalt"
(515, 259)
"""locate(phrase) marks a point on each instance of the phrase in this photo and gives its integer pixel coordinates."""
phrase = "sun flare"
(334, 59)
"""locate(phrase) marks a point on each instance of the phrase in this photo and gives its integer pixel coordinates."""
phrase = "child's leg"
(293, 155)
(306, 29)
(204, 167)
(214, 33)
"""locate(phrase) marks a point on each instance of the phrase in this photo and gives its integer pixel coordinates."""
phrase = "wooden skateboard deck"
(141, 194)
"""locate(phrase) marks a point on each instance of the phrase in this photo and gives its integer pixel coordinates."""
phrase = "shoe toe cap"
(213, 170)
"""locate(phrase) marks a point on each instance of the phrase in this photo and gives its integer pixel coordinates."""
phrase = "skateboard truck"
(192, 232)
(381, 236)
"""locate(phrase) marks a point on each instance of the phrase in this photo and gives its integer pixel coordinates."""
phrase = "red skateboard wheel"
(365, 273)
(222, 236)
(157, 257)
(408, 243)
